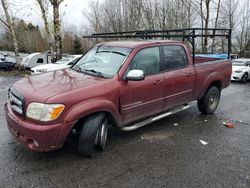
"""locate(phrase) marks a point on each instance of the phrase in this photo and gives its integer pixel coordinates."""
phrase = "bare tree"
(57, 27)
(206, 19)
(151, 11)
(229, 8)
(94, 15)
(216, 21)
(10, 24)
(41, 4)
(228, 19)
(123, 15)
(243, 30)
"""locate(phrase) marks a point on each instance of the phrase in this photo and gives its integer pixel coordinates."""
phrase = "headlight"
(44, 112)
(238, 71)
(41, 70)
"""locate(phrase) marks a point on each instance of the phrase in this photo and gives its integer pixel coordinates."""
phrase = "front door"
(140, 99)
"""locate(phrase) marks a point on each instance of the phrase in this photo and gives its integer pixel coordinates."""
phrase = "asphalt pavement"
(167, 153)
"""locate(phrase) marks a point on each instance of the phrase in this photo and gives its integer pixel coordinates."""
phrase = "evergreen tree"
(77, 45)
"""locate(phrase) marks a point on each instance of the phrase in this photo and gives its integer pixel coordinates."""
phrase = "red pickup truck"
(126, 84)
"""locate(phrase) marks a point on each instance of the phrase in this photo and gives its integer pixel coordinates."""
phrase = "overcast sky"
(71, 11)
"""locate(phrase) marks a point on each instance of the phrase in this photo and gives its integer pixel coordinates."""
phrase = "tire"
(244, 78)
(209, 103)
(93, 135)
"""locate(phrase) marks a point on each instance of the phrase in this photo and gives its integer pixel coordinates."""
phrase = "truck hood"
(40, 88)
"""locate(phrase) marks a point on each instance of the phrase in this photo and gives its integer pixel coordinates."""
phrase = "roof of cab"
(136, 43)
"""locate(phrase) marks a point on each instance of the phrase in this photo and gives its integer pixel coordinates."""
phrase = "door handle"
(189, 74)
(156, 82)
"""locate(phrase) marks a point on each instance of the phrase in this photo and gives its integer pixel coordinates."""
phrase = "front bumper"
(33, 136)
(236, 76)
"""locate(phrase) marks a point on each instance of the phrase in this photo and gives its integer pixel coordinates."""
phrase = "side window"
(39, 60)
(175, 57)
(147, 60)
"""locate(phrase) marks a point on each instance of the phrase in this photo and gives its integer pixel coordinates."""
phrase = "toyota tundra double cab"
(126, 84)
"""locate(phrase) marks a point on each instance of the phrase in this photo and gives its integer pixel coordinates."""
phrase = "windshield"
(63, 60)
(240, 63)
(104, 61)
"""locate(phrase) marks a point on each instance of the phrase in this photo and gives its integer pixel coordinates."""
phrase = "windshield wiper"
(95, 72)
(122, 54)
(79, 69)
(114, 52)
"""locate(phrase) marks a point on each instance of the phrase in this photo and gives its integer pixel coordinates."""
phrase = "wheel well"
(214, 83)
(217, 84)
(77, 127)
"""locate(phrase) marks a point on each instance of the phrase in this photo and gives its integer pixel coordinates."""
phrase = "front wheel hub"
(102, 134)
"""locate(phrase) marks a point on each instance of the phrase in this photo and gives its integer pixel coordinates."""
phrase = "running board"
(156, 118)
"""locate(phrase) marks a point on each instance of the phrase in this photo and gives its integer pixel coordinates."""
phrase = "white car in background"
(36, 59)
(241, 70)
(63, 63)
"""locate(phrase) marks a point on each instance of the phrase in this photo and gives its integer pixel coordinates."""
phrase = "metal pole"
(229, 43)
(193, 45)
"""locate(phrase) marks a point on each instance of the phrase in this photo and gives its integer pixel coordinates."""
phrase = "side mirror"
(135, 75)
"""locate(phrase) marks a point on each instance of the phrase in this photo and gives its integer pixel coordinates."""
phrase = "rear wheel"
(244, 78)
(93, 135)
(209, 103)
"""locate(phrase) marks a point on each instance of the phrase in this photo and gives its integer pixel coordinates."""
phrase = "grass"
(15, 73)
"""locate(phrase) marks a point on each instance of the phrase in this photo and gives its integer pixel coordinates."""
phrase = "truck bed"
(209, 70)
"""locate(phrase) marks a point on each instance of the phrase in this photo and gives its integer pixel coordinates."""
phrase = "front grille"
(16, 101)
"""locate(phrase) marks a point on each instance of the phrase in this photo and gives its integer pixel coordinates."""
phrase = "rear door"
(179, 76)
(139, 99)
